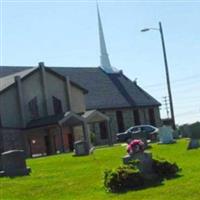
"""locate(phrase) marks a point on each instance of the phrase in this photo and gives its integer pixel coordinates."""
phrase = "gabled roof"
(8, 77)
(92, 116)
(106, 91)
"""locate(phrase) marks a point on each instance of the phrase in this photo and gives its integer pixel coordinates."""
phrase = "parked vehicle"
(150, 131)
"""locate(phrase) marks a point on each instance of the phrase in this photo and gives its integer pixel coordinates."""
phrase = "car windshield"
(130, 129)
(147, 128)
(134, 129)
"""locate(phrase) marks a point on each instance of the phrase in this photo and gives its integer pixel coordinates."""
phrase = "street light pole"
(167, 76)
(166, 71)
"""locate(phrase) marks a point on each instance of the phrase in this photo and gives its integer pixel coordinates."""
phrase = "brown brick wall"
(35, 141)
(12, 139)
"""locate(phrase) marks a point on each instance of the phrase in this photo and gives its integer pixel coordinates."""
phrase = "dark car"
(150, 132)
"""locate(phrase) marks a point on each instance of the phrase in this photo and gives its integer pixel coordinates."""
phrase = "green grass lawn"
(67, 177)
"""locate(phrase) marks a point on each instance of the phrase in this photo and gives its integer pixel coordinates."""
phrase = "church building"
(44, 110)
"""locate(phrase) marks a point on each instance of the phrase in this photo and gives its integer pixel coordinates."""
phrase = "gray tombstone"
(79, 148)
(193, 144)
(145, 161)
(185, 130)
(195, 130)
(14, 164)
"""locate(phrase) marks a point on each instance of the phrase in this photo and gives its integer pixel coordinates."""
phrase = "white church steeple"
(105, 61)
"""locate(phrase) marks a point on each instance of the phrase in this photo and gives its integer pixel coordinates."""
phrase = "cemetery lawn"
(64, 177)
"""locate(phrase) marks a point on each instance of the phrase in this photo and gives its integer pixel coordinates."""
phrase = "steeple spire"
(105, 62)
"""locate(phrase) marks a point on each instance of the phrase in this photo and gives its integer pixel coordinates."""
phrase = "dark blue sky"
(65, 33)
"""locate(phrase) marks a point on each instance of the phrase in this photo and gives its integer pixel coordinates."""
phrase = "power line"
(181, 98)
(178, 107)
(188, 114)
(174, 81)
(177, 85)
(189, 98)
(178, 90)
(192, 101)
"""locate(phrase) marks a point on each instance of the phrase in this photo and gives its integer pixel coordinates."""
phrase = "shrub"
(128, 177)
(123, 178)
(165, 169)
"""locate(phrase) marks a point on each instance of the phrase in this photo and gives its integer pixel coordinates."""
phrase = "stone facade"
(95, 130)
(157, 117)
(78, 133)
(78, 100)
(128, 119)
(12, 139)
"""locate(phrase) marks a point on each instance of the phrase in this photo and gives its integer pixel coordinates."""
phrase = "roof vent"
(41, 64)
(121, 71)
(135, 81)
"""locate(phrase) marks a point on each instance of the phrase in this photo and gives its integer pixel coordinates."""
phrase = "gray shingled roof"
(105, 90)
(45, 121)
(5, 70)
(10, 79)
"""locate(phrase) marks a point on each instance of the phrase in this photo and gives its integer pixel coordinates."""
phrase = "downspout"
(109, 132)
(20, 100)
(68, 93)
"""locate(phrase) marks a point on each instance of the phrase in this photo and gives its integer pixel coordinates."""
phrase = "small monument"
(14, 164)
(166, 135)
(185, 130)
(136, 152)
(193, 144)
(79, 148)
(195, 136)
(195, 130)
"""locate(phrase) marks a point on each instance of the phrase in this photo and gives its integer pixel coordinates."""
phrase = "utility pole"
(166, 71)
(167, 76)
(166, 106)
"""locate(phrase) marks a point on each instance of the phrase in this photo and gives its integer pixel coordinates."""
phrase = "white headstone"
(166, 135)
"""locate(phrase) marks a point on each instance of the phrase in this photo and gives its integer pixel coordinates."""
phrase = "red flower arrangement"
(135, 146)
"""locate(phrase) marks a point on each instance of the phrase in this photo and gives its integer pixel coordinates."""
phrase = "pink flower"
(135, 146)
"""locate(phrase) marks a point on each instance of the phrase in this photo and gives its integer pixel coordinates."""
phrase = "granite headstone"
(13, 163)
